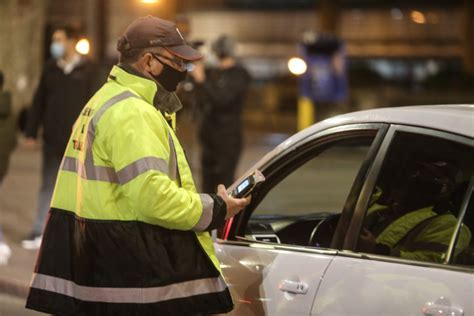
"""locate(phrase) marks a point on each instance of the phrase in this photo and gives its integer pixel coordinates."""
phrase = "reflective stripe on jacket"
(127, 233)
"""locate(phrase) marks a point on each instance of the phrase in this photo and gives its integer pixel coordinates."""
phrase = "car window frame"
(353, 233)
(297, 150)
(462, 212)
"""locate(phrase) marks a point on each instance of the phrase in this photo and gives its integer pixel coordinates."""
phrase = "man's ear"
(147, 62)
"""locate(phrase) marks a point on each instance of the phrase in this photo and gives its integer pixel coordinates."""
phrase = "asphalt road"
(14, 306)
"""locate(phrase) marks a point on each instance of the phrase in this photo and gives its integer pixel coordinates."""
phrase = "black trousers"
(51, 160)
(218, 164)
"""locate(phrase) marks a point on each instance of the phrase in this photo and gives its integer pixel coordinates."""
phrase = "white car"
(368, 213)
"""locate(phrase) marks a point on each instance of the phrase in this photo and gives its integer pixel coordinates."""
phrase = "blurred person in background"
(7, 144)
(186, 89)
(221, 92)
(67, 82)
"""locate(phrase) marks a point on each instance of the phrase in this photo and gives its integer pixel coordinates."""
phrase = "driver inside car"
(418, 222)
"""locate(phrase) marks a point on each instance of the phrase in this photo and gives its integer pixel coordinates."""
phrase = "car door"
(274, 254)
(432, 278)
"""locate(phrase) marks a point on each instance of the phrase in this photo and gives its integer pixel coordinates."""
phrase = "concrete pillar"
(97, 14)
(169, 9)
(329, 16)
(468, 36)
(21, 52)
(92, 27)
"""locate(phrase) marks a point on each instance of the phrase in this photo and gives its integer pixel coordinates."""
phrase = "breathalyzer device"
(246, 186)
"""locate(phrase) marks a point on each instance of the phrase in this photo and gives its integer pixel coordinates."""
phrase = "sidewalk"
(18, 198)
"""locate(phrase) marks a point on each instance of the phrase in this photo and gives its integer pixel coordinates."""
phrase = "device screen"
(243, 185)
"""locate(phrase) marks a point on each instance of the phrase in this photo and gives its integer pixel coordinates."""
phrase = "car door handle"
(293, 287)
(441, 307)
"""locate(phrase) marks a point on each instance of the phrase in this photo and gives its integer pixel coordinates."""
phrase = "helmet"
(438, 176)
(425, 183)
(224, 46)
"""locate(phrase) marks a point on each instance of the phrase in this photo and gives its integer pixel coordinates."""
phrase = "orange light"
(433, 18)
(149, 1)
(418, 17)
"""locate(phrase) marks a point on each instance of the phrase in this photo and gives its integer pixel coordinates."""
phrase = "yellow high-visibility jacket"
(127, 233)
(421, 234)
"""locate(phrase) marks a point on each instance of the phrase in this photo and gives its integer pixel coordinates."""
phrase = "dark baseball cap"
(151, 31)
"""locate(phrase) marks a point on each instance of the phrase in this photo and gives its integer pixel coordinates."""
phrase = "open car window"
(303, 200)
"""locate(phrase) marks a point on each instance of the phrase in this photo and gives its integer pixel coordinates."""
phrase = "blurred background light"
(397, 14)
(432, 18)
(418, 17)
(83, 46)
(357, 14)
(149, 1)
(297, 66)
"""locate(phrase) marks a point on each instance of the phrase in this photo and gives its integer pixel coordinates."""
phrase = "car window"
(464, 255)
(414, 207)
(303, 206)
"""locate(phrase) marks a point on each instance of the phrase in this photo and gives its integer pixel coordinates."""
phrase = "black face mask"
(170, 77)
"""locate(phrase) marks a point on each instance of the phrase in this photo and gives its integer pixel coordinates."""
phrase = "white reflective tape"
(69, 164)
(207, 212)
(128, 295)
(140, 166)
(98, 173)
(108, 174)
(173, 163)
(89, 161)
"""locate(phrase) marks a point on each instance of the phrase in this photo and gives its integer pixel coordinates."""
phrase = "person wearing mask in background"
(66, 84)
(7, 144)
(127, 232)
(221, 93)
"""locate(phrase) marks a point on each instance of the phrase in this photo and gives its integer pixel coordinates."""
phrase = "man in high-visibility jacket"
(127, 233)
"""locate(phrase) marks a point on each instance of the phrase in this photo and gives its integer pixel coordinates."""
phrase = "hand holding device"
(239, 197)
(234, 205)
(246, 186)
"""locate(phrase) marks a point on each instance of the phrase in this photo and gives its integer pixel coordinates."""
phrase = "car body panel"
(355, 286)
(255, 272)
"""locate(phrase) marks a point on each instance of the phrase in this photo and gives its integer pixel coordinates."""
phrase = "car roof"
(454, 118)
(457, 119)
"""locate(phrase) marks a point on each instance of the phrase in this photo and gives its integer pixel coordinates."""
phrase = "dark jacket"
(221, 97)
(7, 132)
(58, 101)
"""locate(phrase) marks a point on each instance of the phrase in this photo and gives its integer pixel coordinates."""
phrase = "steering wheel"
(322, 234)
